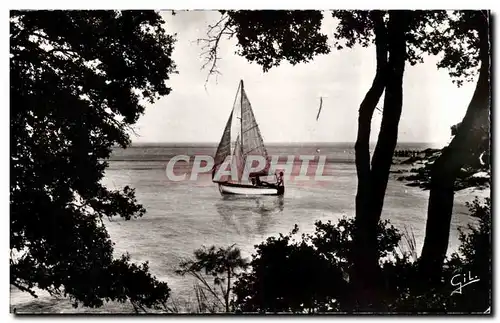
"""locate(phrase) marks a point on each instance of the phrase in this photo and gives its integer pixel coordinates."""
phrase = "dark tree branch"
(210, 48)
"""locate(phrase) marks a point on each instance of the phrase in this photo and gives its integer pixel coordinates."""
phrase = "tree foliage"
(78, 81)
(335, 242)
(447, 34)
(269, 36)
(288, 277)
(309, 274)
(455, 39)
(475, 256)
(473, 260)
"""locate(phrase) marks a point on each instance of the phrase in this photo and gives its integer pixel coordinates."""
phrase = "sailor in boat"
(279, 180)
(263, 183)
(257, 182)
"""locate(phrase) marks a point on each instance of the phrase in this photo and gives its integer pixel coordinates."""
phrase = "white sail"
(238, 159)
(252, 142)
(224, 148)
(242, 125)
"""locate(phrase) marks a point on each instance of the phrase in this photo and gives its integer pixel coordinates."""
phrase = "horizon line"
(428, 143)
(268, 142)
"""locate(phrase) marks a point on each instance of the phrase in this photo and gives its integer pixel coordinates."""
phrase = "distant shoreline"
(325, 144)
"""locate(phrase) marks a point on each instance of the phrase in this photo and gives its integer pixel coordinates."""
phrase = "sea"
(185, 215)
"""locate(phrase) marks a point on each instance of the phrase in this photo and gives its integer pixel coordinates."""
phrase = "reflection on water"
(238, 211)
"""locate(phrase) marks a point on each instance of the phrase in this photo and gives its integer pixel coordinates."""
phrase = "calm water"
(183, 216)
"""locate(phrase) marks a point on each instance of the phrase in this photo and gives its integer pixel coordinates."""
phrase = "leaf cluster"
(310, 274)
(78, 81)
(267, 37)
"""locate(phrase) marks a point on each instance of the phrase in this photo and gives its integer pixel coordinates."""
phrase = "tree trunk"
(393, 103)
(228, 288)
(362, 152)
(372, 182)
(461, 151)
(366, 109)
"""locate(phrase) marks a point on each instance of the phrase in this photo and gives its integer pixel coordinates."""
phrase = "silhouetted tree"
(289, 276)
(372, 180)
(473, 261)
(78, 80)
(310, 274)
(475, 256)
(466, 44)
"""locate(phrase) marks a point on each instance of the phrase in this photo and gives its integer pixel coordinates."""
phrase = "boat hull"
(242, 189)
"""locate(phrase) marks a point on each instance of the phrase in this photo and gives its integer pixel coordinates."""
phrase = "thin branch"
(210, 48)
(24, 289)
(142, 308)
(207, 286)
(65, 51)
(174, 308)
(198, 298)
(135, 307)
(132, 129)
(223, 291)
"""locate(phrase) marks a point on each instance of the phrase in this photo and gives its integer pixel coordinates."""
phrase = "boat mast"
(241, 113)
(241, 122)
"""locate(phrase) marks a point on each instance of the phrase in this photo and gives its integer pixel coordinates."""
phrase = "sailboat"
(243, 126)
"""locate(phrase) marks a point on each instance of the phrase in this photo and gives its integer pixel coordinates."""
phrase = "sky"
(285, 100)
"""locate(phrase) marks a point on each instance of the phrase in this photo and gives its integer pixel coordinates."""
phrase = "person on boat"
(280, 179)
(262, 183)
(256, 181)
